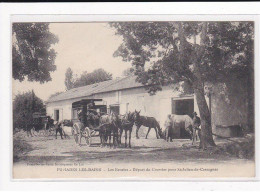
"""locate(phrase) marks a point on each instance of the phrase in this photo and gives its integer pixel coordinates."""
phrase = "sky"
(82, 47)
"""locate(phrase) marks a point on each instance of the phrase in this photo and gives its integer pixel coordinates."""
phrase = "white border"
(61, 11)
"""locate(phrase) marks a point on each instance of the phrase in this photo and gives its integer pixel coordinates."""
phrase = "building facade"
(125, 94)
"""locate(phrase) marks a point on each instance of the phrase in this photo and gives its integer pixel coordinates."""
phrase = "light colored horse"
(184, 121)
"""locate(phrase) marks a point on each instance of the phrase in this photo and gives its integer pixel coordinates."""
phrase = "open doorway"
(183, 107)
(56, 115)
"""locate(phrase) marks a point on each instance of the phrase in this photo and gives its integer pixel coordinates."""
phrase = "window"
(56, 115)
(118, 96)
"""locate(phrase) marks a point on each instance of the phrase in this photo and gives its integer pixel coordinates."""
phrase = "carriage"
(42, 125)
(83, 126)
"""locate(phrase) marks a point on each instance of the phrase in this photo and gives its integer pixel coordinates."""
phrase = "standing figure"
(195, 125)
(59, 129)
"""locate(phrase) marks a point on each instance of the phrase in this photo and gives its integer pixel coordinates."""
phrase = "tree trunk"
(206, 131)
(198, 85)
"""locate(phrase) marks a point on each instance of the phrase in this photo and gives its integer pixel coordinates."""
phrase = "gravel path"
(49, 149)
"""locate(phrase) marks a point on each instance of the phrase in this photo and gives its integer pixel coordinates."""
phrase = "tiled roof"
(106, 86)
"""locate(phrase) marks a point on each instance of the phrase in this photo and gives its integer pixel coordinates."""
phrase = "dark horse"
(125, 123)
(147, 122)
(107, 129)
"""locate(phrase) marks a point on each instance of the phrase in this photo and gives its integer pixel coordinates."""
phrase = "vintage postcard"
(133, 99)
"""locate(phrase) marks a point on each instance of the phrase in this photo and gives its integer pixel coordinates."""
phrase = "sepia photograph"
(133, 99)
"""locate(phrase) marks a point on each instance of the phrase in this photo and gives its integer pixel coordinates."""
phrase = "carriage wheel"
(88, 136)
(41, 133)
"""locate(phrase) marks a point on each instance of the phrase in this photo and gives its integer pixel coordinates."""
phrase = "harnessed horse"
(125, 123)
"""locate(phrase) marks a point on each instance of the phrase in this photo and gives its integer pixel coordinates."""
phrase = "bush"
(20, 146)
(24, 105)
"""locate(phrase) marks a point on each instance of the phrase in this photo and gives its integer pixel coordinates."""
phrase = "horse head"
(131, 116)
(136, 116)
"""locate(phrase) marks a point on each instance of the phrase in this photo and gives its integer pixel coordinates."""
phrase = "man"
(195, 125)
(58, 128)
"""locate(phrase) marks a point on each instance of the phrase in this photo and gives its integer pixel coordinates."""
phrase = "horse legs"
(130, 131)
(193, 135)
(147, 132)
(56, 133)
(125, 138)
(115, 138)
(167, 134)
(156, 131)
(120, 136)
(101, 139)
(61, 133)
(109, 135)
(64, 134)
(137, 129)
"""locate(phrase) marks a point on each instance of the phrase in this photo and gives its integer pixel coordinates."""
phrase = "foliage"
(128, 72)
(24, 105)
(98, 75)
(69, 79)
(20, 146)
(193, 53)
(32, 54)
(159, 57)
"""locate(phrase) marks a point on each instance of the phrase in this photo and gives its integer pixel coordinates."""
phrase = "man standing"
(195, 125)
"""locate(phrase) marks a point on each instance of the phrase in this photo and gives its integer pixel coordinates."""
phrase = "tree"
(128, 72)
(24, 105)
(32, 54)
(98, 75)
(194, 53)
(69, 79)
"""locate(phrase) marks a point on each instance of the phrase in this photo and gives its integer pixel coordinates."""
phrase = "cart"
(82, 127)
(41, 125)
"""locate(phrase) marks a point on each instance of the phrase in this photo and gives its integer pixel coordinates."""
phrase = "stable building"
(125, 94)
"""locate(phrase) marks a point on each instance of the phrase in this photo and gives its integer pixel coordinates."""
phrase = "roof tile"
(106, 86)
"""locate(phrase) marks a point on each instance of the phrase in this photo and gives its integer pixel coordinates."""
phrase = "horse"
(182, 121)
(107, 129)
(125, 123)
(150, 122)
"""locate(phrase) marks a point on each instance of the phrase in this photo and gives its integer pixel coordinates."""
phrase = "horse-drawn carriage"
(87, 124)
(42, 125)
(93, 120)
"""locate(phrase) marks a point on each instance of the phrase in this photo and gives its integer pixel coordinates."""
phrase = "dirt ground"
(49, 149)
